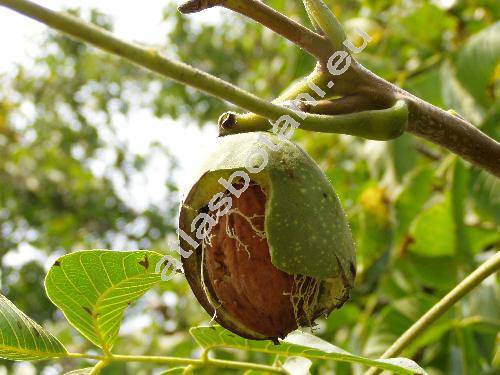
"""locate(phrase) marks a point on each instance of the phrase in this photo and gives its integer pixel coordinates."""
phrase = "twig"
(382, 124)
(98, 367)
(361, 124)
(194, 6)
(486, 269)
(210, 362)
(301, 36)
(323, 18)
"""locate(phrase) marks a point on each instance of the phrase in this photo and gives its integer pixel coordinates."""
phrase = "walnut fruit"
(267, 242)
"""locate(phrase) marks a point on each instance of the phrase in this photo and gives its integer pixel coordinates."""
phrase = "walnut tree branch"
(425, 120)
(436, 125)
(311, 42)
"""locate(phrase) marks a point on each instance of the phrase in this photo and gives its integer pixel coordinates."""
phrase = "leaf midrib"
(30, 351)
(96, 305)
(102, 297)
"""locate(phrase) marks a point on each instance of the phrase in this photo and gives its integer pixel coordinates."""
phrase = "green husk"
(306, 228)
(302, 208)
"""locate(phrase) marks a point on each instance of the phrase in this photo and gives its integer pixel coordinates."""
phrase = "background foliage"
(422, 218)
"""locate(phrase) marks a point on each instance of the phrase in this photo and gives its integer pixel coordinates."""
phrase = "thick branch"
(306, 39)
(486, 269)
(436, 125)
(455, 134)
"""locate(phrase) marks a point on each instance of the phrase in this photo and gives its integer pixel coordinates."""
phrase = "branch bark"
(436, 125)
(424, 120)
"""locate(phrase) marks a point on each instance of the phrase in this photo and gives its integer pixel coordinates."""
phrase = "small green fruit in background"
(273, 249)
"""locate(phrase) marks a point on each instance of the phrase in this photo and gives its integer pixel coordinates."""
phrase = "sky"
(188, 143)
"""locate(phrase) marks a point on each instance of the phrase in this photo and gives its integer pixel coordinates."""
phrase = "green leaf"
(394, 319)
(412, 197)
(433, 231)
(81, 371)
(93, 288)
(425, 24)
(485, 191)
(298, 344)
(403, 154)
(492, 119)
(292, 366)
(457, 98)
(427, 86)
(471, 352)
(438, 272)
(476, 64)
(481, 238)
(22, 339)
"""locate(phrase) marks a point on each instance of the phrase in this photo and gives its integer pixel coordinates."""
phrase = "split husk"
(304, 230)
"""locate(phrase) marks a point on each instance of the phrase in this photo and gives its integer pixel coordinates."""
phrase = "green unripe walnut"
(275, 250)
